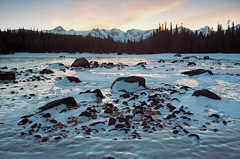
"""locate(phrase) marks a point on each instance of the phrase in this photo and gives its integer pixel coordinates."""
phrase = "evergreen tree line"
(163, 40)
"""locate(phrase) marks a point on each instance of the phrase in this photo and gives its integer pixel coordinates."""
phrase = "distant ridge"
(119, 35)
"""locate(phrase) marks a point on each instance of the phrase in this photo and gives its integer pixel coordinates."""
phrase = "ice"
(215, 122)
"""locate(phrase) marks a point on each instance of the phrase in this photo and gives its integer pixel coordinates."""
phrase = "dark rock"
(69, 101)
(131, 79)
(53, 121)
(96, 123)
(98, 93)
(46, 71)
(4, 68)
(94, 64)
(38, 136)
(47, 115)
(23, 121)
(197, 72)
(81, 62)
(214, 116)
(171, 107)
(177, 55)
(73, 79)
(188, 57)
(7, 75)
(109, 157)
(194, 135)
(141, 64)
(206, 57)
(237, 63)
(86, 114)
(191, 64)
(177, 61)
(111, 121)
(44, 139)
(161, 61)
(206, 93)
(125, 95)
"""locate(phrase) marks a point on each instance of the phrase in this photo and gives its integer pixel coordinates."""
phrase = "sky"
(121, 14)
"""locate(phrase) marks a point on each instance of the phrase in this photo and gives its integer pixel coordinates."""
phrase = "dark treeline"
(164, 39)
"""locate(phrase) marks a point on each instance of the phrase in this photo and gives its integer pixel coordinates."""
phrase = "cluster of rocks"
(129, 112)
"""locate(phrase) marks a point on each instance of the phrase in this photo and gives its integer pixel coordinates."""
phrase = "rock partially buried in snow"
(97, 93)
(46, 71)
(7, 75)
(197, 72)
(128, 84)
(81, 62)
(69, 102)
(206, 93)
(73, 79)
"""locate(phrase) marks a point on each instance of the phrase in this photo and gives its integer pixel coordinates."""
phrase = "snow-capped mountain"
(205, 30)
(115, 34)
(119, 35)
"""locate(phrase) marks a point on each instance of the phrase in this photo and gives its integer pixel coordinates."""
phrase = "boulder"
(206, 93)
(191, 64)
(94, 64)
(46, 71)
(177, 55)
(69, 102)
(73, 79)
(7, 75)
(97, 92)
(189, 57)
(197, 72)
(129, 84)
(81, 62)
(206, 57)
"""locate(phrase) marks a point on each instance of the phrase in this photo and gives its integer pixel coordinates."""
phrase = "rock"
(129, 83)
(111, 121)
(47, 115)
(189, 57)
(97, 92)
(141, 64)
(23, 121)
(161, 61)
(73, 79)
(108, 65)
(197, 72)
(191, 64)
(177, 55)
(81, 62)
(46, 71)
(94, 64)
(7, 75)
(69, 101)
(206, 57)
(206, 93)
(4, 68)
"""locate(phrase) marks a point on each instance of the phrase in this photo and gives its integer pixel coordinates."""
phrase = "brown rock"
(73, 79)
(197, 72)
(7, 75)
(206, 93)
(69, 101)
(131, 79)
(81, 62)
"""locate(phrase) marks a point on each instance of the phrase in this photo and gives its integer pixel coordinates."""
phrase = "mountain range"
(119, 35)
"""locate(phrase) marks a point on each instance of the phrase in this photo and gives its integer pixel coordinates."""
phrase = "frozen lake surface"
(206, 128)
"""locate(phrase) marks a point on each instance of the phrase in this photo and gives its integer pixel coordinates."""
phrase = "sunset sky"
(122, 14)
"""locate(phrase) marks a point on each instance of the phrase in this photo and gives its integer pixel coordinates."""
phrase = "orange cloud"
(121, 14)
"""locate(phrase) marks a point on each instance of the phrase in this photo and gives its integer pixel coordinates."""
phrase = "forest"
(163, 40)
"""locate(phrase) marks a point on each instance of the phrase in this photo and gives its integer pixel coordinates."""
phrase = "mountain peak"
(59, 29)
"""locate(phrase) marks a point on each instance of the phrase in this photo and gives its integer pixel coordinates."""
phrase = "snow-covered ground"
(215, 122)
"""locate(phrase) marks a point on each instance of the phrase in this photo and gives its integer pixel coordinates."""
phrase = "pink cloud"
(116, 13)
